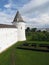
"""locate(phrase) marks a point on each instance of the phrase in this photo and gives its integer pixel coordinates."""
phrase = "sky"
(34, 12)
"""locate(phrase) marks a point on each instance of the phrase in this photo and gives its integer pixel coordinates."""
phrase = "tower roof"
(18, 17)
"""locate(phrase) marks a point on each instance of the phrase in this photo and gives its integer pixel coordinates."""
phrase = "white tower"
(20, 24)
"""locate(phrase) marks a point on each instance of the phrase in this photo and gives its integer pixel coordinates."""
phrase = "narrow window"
(21, 27)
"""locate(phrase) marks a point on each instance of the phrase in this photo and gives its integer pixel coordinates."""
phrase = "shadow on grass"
(33, 49)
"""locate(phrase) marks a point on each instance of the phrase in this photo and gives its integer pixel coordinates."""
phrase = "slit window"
(21, 27)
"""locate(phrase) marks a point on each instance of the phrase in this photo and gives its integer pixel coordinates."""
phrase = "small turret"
(20, 24)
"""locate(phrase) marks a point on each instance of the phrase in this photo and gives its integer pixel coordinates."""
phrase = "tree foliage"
(34, 35)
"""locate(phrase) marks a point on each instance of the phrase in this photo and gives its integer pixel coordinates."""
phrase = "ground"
(14, 56)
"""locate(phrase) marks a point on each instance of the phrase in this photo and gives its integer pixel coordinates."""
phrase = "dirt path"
(13, 58)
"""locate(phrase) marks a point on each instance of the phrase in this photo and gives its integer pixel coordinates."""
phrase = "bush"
(25, 44)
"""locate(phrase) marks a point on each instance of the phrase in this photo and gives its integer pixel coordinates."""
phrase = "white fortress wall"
(8, 36)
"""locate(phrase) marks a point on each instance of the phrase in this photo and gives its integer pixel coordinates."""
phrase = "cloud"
(7, 6)
(5, 18)
(12, 4)
(34, 12)
(32, 4)
(41, 21)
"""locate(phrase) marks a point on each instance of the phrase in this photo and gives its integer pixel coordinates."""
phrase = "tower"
(20, 24)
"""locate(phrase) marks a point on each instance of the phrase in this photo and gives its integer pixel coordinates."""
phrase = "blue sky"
(34, 12)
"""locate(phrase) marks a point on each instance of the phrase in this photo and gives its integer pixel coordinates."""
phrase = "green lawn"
(24, 57)
(38, 42)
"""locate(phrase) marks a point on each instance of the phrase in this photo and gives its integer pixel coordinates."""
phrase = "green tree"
(38, 30)
(28, 29)
(33, 29)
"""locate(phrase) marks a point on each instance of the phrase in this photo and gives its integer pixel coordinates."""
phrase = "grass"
(24, 57)
(38, 42)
